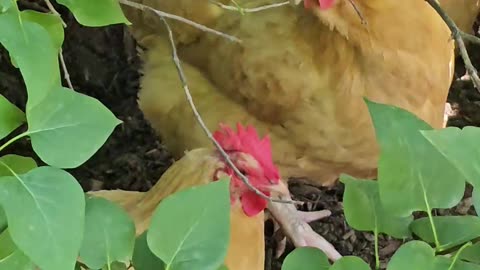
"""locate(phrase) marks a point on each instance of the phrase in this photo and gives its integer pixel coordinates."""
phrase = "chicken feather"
(302, 83)
(196, 168)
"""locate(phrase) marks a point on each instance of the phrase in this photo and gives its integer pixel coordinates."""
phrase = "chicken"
(200, 166)
(463, 12)
(300, 75)
(147, 23)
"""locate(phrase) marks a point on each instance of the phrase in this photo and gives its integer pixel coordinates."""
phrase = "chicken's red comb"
(323, 4)
(247, 140)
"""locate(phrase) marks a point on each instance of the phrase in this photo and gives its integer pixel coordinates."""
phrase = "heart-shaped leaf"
(143, 258)
(67, 128)
(11, 117)
(306, 258)
(448, 230)
(51, 22)
(410, 165)
(97, 13)
(30, 45)
(3, 220)
(414, 255)
(456, 145)
(199, 237)
(45, 211)
(6, 4)
(10, 256)
(350, 263)
(443, 263)
(109, 234)
(16, 165)
(364, 210)
(471, 253)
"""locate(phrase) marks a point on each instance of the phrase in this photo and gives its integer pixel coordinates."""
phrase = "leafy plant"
(420, 169)
(46, 221)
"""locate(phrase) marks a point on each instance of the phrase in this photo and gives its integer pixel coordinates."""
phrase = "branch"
(66, 75)
(249, 10)
(459, 37)
(54, 11)
(186, 89)
(164, 15)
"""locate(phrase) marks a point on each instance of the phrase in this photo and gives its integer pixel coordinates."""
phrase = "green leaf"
(6, 4)
(96, 13)
(448, 229)
(51, 22)
(412, 174)
(45, 211)
(34, 52)
(306, 258)
(456, 145)
(67, 128)
(117, 266)
(10, 256)
(199, 237)
(109, 234)
(414, 255)
(364, 211)
(11, 117)
(223, 267)
(3, 220)
(143, 258)
(476, 199)
(16, 165)
(443, 263)
(471, 253)
(350, 263)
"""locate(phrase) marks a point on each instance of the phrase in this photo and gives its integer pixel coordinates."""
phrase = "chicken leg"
(294, 224)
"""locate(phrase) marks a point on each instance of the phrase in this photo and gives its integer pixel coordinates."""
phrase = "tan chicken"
(300, 75)
(250, 154)
(463, 12)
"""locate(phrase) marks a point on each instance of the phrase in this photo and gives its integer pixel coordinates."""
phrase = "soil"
(103, 63)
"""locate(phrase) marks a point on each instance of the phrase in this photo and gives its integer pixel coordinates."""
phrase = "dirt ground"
(103, 64)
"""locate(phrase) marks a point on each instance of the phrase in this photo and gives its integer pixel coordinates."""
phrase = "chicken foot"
(306, 217)
(294, 224)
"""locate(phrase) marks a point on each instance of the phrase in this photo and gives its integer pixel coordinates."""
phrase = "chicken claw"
(295, 226)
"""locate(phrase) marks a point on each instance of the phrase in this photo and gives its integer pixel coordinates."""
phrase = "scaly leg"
(295, 226)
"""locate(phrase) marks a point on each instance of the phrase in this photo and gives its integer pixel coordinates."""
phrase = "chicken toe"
(305, 217)
(294, 224)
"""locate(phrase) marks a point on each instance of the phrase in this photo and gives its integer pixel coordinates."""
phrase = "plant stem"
(430, 217)
(434, 229)
(12, 140)
(455, 258)
(377, 256)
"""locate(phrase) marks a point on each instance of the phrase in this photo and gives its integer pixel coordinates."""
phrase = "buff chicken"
(299, 74)
(463, 12)
(251, 155)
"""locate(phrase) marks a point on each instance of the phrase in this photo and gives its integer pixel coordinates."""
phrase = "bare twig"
(163, 15)
(66, 75)
(458, 36)
(249, 10)
(54, 11)
(186, 89)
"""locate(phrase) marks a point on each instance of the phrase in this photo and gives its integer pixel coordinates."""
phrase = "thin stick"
(250, 10)
(66, 75)
(458, 36)
(186, 89)
(163, 15)
(54, 11)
